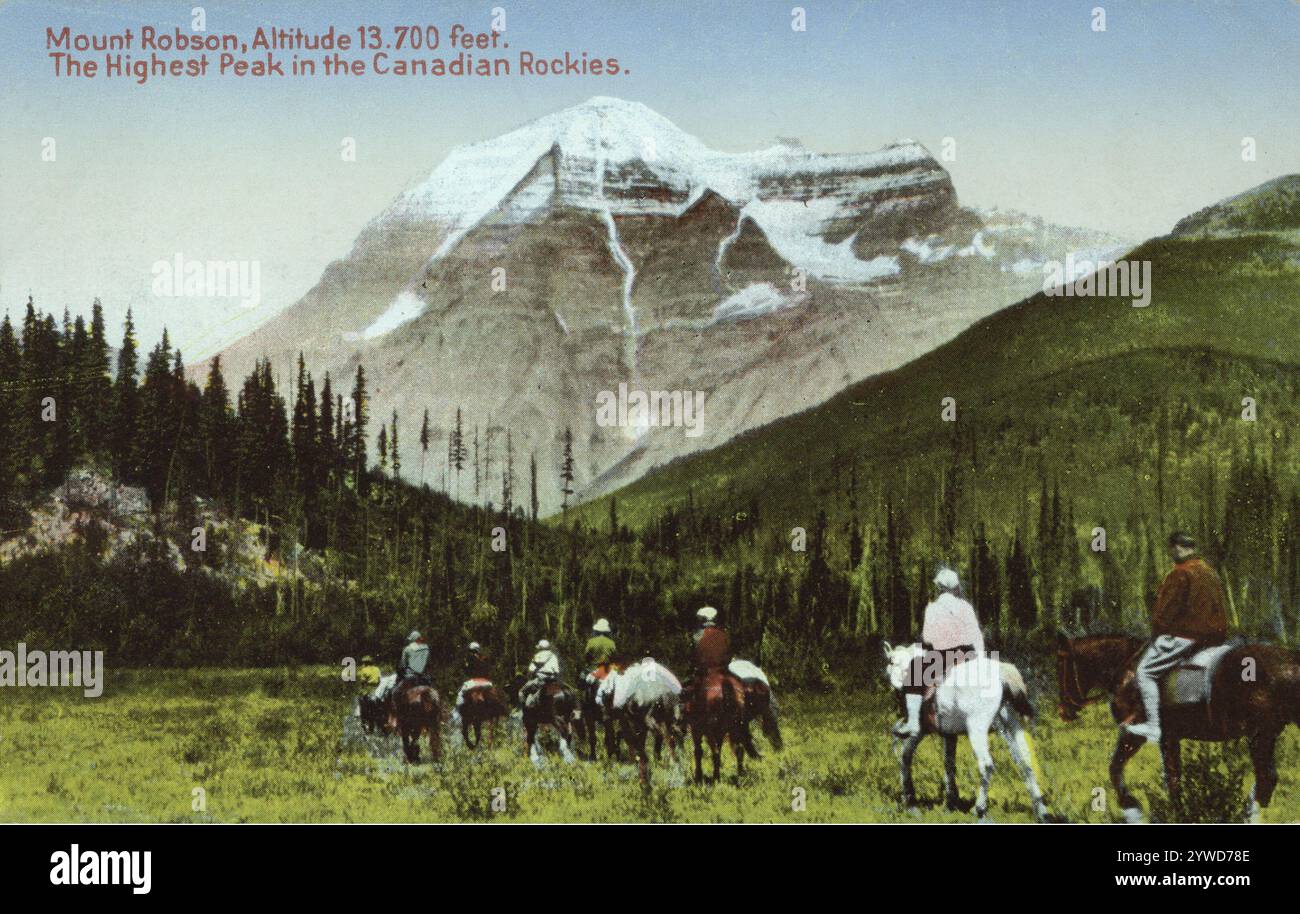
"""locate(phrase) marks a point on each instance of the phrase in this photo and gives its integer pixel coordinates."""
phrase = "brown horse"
(648, 709)
(483, 704)
(760, 706)
(714, 708)
(414, 708)
(1255, 693)
(594, 714)
(557, 708)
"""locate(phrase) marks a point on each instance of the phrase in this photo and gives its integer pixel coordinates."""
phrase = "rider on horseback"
(712, 646)
(1189, 615)
(599, 653)
(542, 669)
(950, 634)
(478, 672)
(414, 660)
(368, 675)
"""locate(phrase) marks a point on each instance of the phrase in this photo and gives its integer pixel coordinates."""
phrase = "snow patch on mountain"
(407, 306)
(756, 300)
(791, 226)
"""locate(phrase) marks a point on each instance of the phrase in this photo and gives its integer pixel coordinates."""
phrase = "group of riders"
(1189, 614)
(711, 651)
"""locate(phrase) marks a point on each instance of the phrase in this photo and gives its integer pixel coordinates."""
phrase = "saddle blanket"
(1190, 683)
(479, 683)
(644, 683)
(747, 672)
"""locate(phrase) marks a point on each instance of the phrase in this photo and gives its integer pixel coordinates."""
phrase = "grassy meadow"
(274, 745)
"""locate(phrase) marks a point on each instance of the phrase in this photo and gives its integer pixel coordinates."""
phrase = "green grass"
(268, 746)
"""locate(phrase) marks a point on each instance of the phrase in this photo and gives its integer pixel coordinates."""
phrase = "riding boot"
(912, 726)
(1149, 689)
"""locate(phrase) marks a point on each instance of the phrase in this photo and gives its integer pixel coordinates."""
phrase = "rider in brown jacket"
(1189, 615)
(712, 648)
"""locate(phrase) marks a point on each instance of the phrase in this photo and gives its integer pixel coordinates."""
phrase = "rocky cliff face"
(534, 273)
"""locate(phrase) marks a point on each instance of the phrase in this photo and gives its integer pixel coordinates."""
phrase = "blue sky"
(1127, 129)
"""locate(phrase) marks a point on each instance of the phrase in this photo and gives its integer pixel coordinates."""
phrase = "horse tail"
(1015, 693)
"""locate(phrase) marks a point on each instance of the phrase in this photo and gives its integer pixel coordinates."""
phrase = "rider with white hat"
(599, 653)
(478, 673)
(543, 668)
(712, 650)
(950, 634)
(415, 657)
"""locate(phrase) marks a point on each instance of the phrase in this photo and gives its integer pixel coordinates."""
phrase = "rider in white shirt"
(544, 668)
(951, 628)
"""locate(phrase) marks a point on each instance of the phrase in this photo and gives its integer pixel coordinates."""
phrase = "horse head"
(898, 660)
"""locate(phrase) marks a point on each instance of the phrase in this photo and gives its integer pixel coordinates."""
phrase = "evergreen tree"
(126, 407)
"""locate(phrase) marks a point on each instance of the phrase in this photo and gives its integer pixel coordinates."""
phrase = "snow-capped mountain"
(601, 245)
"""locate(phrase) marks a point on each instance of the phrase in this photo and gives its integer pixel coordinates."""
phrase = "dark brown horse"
(647, 711)
(482, 704)
(714, 708)
(415, 708)
(760, 706)
(595, 714)
(556, 707)
(1255, 693)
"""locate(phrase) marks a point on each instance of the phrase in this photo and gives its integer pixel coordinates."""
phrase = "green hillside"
(1071, 413)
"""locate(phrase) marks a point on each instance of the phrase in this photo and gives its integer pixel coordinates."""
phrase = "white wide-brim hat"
(707, 613)
(601, 626)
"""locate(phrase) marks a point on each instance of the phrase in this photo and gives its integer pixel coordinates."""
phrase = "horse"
(641, 701)
(373, 714)
(482, 703)
(760, 705)
(555, 707)
(594, 712)
(413, 708)
(1257, 707)
(714, 708)
(973, 697)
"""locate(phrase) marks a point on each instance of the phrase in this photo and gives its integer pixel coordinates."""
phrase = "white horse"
(975, 696)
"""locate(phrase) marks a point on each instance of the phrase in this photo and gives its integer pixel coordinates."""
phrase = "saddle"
(1192, 681)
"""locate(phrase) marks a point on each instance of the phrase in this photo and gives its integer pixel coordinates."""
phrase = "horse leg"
(1262, 744)
(979, 744)
(905, 770)
(565, 733)
(642, 761)
(951, 795)
(715, 748)
(699, 755)
(534, 751)
(1023, 755)
(1171, 755)
(435, 741)
(739, 737)
(1125, 749)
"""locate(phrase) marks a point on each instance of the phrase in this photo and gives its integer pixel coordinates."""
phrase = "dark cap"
(1180, 538)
